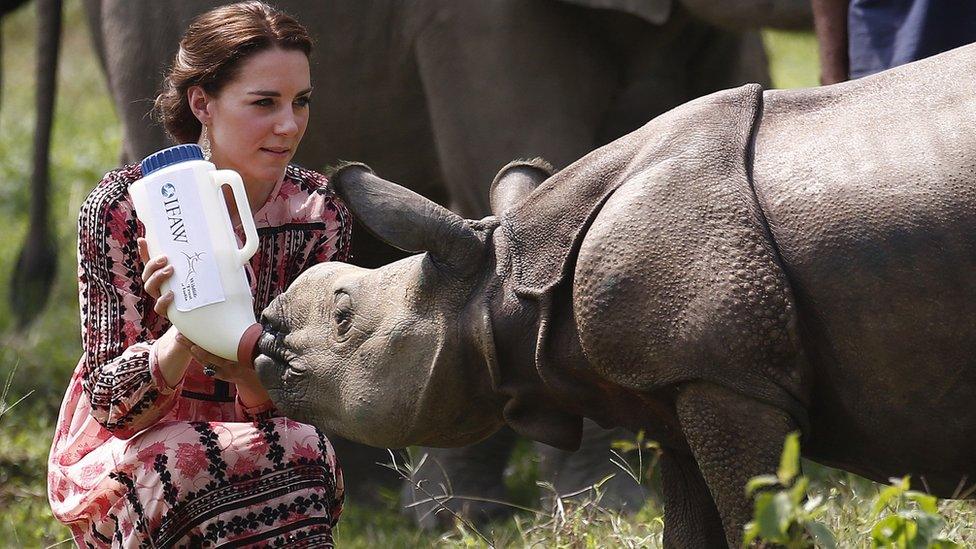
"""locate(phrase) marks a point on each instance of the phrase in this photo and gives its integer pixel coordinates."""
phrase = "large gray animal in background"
(440, 93)
(746, 265)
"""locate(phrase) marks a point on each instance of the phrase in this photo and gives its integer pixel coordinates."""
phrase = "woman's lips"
(277, 153)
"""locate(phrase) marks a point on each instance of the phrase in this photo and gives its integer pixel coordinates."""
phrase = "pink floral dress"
(138, 463)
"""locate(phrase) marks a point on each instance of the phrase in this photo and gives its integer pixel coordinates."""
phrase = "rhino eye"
(342, 313)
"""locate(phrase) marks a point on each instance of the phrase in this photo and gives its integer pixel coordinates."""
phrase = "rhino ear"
(515, 181)
(404, 219)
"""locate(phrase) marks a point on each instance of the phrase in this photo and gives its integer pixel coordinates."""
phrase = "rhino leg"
(733, 438)
(690, 517)
(571, 472)
(365, 477)
(454, 473)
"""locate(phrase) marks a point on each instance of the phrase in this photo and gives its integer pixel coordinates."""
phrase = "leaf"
(760, 482)
(925, 502)
(750, 533)
(822, 535)
(799, 491)
(624, 445)
(773, 515)
(789, 463)
(884, 497)
(893, 530)
(945, 544)
(929, 525)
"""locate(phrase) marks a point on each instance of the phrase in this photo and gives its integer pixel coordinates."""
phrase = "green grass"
(793, 59)
(39, 361)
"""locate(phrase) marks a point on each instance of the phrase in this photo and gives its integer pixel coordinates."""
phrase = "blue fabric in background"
(886, 33)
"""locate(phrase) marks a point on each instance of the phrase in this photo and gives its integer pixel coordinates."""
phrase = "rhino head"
(402, 354)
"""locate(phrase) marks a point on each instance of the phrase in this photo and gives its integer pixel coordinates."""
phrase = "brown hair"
(211, 53)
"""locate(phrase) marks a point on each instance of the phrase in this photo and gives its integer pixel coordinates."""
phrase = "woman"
(159, 443)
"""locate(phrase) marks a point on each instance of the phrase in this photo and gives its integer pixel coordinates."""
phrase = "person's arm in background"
(830, 23)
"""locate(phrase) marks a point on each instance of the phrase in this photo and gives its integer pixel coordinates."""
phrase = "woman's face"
(257, 120)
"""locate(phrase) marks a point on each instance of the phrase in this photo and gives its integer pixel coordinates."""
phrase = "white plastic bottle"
(180, 202)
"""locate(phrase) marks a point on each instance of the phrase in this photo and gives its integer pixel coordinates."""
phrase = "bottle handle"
(232, 178)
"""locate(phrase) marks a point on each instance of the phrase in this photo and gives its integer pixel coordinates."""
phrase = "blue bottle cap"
(170, 156)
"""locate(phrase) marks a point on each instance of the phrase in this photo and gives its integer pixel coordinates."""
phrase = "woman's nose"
(287, 124)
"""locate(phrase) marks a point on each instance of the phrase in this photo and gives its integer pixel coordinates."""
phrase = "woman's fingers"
(153, 266)
(143, 249)
(200, 355)
(203, 357)
(155, 274)
(218, 367)
(184, 341)
(163, 303)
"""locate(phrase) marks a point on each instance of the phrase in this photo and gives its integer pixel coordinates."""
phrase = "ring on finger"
(210, 369)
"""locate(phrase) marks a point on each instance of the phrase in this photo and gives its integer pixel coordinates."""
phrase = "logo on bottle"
(174, 214)
(192, 260)
(189, 284)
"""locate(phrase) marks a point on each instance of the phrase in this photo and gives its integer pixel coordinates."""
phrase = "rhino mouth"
(272, 345)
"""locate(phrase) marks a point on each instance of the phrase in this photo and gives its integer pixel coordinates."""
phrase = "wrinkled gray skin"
(746, 265)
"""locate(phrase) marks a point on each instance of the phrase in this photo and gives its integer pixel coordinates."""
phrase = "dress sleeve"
(340, 495)
(261, 412)
(125, 389)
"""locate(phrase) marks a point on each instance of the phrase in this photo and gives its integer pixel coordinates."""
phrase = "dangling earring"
(205, 142)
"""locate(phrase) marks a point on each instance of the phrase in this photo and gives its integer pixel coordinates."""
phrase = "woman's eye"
(266, 102)
(303, 101)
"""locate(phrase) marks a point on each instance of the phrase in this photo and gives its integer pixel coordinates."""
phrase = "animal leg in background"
(454, 473)
(571, 472)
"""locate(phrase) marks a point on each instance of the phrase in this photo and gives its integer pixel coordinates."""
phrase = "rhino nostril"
(273, 317)
(272, 324)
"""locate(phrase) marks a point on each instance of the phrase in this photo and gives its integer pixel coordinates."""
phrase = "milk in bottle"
(180, 202)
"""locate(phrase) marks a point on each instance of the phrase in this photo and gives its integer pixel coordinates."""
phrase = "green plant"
(4, 407)
(783, 514)
(915, 522)
(640, 444)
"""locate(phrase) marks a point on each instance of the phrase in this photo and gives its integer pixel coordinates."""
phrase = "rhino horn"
(406, 220)
(515, 181)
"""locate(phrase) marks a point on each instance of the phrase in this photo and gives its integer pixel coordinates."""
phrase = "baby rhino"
(749, 264)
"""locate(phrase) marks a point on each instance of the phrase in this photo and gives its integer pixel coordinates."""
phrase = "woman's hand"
(249, 387)
(154, 274)
(223, 369)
